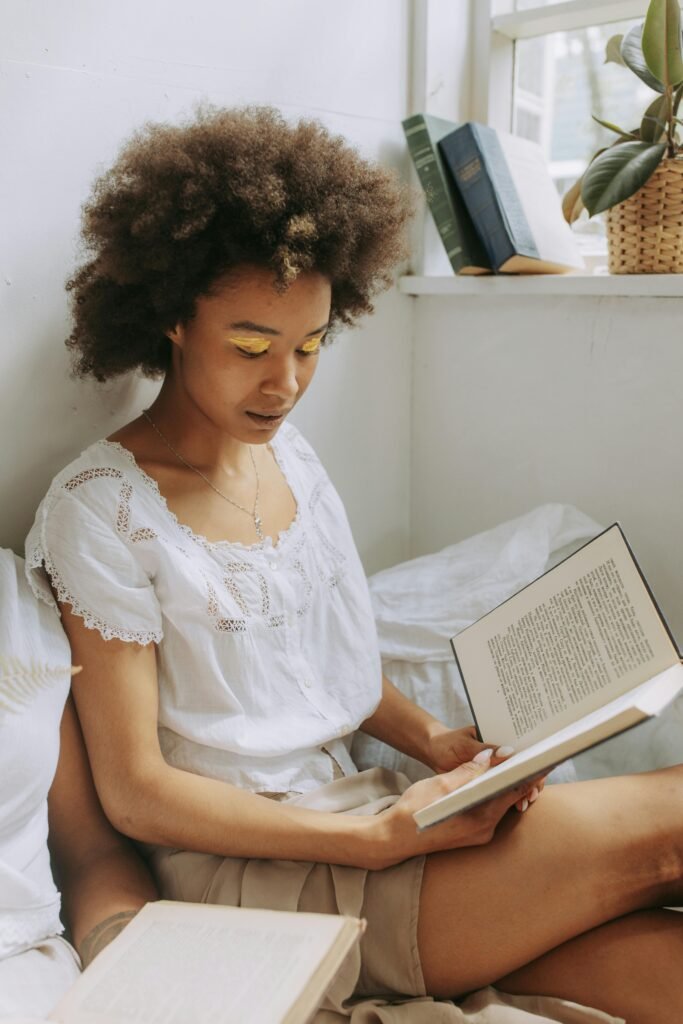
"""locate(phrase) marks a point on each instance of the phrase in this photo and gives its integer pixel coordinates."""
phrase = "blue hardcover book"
(511, 198)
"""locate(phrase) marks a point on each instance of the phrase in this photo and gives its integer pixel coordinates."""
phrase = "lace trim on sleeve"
(37, 559)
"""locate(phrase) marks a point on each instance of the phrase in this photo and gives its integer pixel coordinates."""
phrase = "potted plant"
(638, 180)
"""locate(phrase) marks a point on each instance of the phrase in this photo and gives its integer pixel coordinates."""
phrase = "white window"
(539, 72)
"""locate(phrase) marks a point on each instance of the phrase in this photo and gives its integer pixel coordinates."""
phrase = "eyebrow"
(248, 325)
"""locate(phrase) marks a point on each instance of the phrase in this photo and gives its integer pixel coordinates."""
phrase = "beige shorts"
(387, 962)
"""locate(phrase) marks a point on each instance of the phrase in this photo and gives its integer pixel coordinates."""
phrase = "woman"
(211, 592)
(103, 880)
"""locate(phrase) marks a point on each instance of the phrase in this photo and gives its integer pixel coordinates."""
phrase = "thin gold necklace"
(254, 513)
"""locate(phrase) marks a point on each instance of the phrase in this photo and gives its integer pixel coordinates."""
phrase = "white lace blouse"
(267, 654)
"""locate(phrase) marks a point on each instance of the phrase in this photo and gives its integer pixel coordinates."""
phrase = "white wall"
(520, 401)
(76, 77)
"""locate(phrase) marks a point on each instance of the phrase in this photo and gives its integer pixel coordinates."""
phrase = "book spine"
(484, 193)
(446, 207)
(509, 202)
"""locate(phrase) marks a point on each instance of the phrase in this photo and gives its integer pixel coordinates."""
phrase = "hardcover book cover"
(512, 200)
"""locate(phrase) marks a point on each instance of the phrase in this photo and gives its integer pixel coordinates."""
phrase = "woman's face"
(249, 353)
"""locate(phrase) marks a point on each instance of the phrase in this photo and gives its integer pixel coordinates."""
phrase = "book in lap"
(579, 655)
(179, 962)
(512, 200)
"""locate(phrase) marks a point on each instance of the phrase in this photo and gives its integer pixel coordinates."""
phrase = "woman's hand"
(449, 748)
(398, 837)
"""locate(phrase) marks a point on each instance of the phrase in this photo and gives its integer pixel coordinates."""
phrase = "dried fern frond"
(21, 682)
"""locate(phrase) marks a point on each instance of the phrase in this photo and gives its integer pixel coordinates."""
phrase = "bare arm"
(103, 880)
(409, 728)
(403, 725)
(144, 797)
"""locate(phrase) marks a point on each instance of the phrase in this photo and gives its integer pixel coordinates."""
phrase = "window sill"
(626, 285)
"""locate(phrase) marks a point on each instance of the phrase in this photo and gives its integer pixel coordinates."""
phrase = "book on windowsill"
(207, 963)
(576, 657)
(512, 200)
(456, 230)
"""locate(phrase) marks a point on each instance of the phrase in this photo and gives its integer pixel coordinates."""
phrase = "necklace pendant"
(258, 527)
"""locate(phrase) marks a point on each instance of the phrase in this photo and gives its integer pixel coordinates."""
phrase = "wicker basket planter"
(645, 232)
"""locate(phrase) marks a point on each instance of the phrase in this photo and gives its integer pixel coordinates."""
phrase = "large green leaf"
(618, 173)
(661, 41)
(572, 204)
(654, 120)
(613, 51)
(632, 52)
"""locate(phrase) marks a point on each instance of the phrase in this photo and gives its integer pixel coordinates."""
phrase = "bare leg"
(585, 854)
(630, 967)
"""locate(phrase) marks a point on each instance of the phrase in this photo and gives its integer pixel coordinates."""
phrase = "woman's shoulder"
(85, 544)
(103, 460)
(100, 479)
(94, 489)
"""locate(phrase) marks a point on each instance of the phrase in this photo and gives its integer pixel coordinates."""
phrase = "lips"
(267, 419)
(268, 415)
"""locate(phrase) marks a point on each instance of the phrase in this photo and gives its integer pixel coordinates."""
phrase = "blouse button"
(307, 683)
(272, 565)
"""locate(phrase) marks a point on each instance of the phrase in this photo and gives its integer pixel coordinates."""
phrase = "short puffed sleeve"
(75, 545)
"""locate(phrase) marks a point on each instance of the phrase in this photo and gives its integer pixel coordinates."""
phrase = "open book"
(577, 656)
(178, 962)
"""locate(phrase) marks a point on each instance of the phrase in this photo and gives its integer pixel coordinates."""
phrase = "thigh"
(584, 854)
(630, 967)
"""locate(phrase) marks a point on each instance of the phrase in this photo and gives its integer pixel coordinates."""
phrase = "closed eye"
(250, 347)
(312, 346)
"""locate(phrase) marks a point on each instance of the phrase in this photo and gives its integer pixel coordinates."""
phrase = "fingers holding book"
(449, 748)
(532, 788)
(475, 827)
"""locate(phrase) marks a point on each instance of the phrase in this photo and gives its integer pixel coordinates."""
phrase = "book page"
(541, 202)
(180, 962)
(581, 635)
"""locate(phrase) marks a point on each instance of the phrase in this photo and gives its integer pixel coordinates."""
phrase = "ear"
(176, 335)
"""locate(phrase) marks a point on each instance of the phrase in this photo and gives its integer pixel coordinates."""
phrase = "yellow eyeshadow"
(254, 346)
(312, 345)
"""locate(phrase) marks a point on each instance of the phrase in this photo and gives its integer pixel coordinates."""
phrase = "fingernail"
(505, 751)
(525, 804)
(483, 757)
(534, 794)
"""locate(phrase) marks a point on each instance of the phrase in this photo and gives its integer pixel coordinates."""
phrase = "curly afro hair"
(184, 204)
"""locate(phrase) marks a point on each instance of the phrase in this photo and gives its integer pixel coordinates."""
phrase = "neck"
(193, 434)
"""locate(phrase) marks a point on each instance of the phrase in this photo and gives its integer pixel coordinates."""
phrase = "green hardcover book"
(465, 251)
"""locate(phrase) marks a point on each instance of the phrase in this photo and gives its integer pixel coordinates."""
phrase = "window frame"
(495, 36)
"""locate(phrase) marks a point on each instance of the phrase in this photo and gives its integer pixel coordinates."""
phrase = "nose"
(281, 381)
